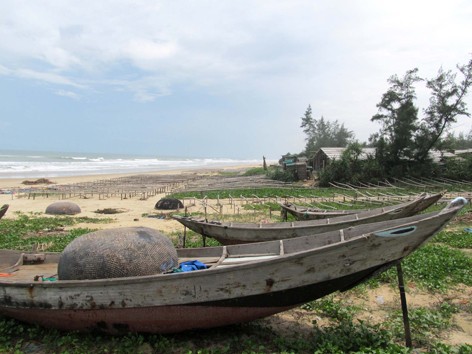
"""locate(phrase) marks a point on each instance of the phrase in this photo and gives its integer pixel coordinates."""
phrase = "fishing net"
(116, 253)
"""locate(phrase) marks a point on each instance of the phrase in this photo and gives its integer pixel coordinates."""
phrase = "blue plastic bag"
(190, 266)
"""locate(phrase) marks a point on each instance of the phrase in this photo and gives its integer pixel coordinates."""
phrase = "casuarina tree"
(323, 133)
(404, 139)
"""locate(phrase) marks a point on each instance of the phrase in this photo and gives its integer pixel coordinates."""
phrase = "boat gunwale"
(288, 225)
(299, 224)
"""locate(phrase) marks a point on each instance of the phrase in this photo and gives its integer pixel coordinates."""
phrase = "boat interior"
(18, 266)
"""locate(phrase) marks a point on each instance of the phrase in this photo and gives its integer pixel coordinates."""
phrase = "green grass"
(255, 171)
(328, 306)
(455, 239)
(260, 192)
(192, 239)
(434, 267)
(26, 231)
(426, 323)
(345, 337)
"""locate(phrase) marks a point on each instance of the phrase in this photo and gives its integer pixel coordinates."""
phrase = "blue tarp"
(190, 266)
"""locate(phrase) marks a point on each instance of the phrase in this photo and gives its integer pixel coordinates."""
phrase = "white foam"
(57, 165)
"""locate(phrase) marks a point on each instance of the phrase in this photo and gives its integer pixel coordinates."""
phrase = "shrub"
(279, 174)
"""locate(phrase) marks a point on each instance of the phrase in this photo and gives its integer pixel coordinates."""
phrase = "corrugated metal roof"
(336, 152)
(463, 151)
(332, 152)
(436, 155)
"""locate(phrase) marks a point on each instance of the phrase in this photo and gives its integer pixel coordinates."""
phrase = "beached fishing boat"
(3, 210)
(241, 283)
(308, 213)
(230, 233)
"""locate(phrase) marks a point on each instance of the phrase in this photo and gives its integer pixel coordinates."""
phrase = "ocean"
(38, 164)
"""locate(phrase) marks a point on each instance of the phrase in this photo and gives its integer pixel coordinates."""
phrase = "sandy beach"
(134, 208)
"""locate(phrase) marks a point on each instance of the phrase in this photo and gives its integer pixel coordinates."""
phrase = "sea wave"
(48, 165)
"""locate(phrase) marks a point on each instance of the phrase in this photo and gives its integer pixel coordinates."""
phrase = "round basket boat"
(117, 253)
(169, 204)
(63, 208)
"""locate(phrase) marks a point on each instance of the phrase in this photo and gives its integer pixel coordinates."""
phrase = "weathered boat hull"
(229, 233)
(426, 202)
(306, 213)
(178, 318)
(248, 282)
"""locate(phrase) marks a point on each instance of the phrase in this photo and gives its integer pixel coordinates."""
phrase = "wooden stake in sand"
(406, 321)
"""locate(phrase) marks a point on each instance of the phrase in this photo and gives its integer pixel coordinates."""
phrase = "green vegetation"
(456, 239)
(264, 192)
(27, 231)
(329, 306)
(435, 267)
(405, 141)
(278, 174)
(352, 169)
(255, 171)
(323, 133)
(426, 323)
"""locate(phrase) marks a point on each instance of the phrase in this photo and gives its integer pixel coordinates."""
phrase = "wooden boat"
(3, 210)
(228, 233)
(242, 283)
(307, 213)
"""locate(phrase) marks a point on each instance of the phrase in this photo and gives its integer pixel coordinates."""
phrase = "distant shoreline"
(6, 183)
(54, 165)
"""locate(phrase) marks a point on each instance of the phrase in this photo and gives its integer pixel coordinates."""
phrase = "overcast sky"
(211, 78)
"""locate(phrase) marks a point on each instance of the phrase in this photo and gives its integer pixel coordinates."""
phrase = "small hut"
(324, 156)
(297, 164)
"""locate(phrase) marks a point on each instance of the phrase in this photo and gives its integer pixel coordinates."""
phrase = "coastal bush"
(434, 267)
(458, 169)
(278, 174)
(37, 181)
(255, 171)
(426, 323)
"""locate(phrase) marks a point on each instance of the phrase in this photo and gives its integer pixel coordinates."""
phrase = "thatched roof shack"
(325, 155)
